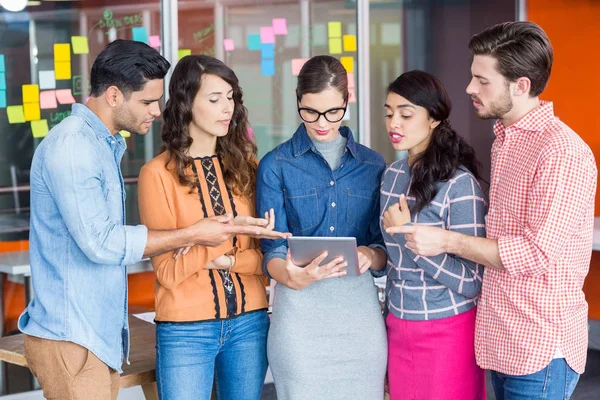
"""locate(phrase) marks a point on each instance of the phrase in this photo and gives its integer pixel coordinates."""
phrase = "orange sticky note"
(31, 111)
(31, 94)
(62, 70)
(348, 63)
(349, 43)
(62, 52)
(39, 128)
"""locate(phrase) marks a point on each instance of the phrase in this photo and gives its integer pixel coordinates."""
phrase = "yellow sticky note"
(125, 134)
(348, 63)
(334, 29)
(15, 114)
(31, 111)
(62, 52)
(31, 94)
(335, 46)
(62, 70)
(183, 52)
(349, 43)
(39, 128)
(80, 45)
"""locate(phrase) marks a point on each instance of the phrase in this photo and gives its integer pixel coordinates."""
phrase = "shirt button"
(331, 183)
(333, 204)
(331, 228)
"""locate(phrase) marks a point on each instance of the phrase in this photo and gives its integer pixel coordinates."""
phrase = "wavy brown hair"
(236, 149)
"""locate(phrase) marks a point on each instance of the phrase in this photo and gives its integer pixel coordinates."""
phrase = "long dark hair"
(236, 149)
(320, 73)
(447, 150)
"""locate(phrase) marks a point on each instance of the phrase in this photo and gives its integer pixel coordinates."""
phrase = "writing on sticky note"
(47, 80)
(64, 96)
(2, 81)
(139, 34)
(280, 26)
(348, 63)
(351, 95)
(125, 134)
(31, 93)
(48, 99)
(297, 64)
(351, 79)
(39, 128)
(267, 50)
(267, 67)
(154, 41)
(266, 34)
(334, 29)
(62, 52)
(2, 98)
(62, 70)
(31, 111)
(254, 42)
(2, 65)
(80, 45)
(349, 43)
(335, 46)
(228, 44)
(183, 52)
(15, 114)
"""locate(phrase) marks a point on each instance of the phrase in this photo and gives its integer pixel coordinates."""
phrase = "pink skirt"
(434, 360)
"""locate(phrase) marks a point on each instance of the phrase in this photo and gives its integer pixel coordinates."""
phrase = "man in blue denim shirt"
(76, 326)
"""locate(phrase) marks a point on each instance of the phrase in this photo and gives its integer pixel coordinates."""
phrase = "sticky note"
(351, 95)
(62, 70)
(297, 64)
(334, 29)
(348, 63)
(31, 111)
(80, 45)
(2, 81)
(267, 67)
(15, 114)
(2, 65)
(280, 26)
(31, 93)
(183, 52)
(139, 34)
(267, 50)
(228, 44)
(319, 35)
(154, 41)
(351, 79)
(266, 34)
(64, 96)
(47, 80)
(125, 134)
(2, 98)
(349, 43)
(253, 42)
(48, 99)
(335, 46)
(39, 128)
(62, 52)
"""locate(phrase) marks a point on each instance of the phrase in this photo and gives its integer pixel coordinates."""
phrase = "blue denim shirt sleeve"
(74, 178)
(269, 194)
(377, 241)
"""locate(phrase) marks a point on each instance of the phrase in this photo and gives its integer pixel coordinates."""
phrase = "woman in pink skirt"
(431, 301)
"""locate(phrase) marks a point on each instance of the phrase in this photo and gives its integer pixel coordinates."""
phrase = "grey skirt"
(328, 341)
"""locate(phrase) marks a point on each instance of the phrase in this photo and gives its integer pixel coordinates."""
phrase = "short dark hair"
(522, 49)
(320, 73)
(128, 65)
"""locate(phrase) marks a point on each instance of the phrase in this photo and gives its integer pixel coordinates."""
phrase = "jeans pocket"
(301, 208)
(571, 380)
(361, 204)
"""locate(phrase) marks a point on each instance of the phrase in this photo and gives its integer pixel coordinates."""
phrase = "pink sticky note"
(351, 79)
(279, 26)
(352, 95)
(228, 44)
(65, 96)
(48, 99)
(266, 34)
(154, 41)
(297, 64)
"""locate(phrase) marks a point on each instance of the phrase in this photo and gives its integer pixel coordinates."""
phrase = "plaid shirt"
(542, 214)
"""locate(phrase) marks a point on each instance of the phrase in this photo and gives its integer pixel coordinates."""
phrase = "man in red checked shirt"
(531, 329)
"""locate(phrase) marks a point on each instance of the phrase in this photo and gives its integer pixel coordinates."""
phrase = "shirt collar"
(534, 121)
(301, 143)
(99, 128)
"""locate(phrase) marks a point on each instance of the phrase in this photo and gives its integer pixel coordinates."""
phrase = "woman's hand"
(226, 261)
(397, 214)
(365, 258)
(265, 226)
(299, 278)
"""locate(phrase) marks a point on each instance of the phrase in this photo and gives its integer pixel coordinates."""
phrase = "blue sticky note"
(2, 98)
(2, 66)
(2, 81)
(267, 67)
(139, 34)
(254, 42)
(267, 50)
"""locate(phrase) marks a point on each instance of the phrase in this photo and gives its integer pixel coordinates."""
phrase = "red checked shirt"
(542, 214)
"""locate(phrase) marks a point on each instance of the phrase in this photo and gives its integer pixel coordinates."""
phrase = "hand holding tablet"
(305, 249)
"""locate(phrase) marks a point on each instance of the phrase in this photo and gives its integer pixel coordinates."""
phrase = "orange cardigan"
(184, 290)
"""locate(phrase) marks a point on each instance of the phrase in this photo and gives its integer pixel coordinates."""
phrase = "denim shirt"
(79, 245)
(309, 199)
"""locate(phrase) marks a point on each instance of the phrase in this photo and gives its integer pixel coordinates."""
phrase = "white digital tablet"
(304, 249)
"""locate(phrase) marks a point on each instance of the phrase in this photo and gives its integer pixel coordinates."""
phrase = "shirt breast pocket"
(113, 194)
(361, 204)
(301, 208)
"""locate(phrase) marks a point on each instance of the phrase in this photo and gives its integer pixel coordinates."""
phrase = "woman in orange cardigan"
(211, 306)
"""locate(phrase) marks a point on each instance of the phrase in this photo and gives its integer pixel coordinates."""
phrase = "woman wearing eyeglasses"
(327, 338)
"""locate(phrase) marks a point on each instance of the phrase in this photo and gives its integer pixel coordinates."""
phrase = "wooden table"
(142, 356)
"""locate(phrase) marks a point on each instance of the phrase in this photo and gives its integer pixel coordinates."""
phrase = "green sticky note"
(80, 45)
(139, 34)
(183, 52)
(2, 66)
(39, 128)
(334, 29)
(254, 42)
(15, 114)
(335, 46)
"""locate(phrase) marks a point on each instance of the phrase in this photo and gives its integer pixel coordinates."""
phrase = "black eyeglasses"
(332, 115)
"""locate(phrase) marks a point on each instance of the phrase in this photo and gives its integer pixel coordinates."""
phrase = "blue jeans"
(555, 382)
(232, 353)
